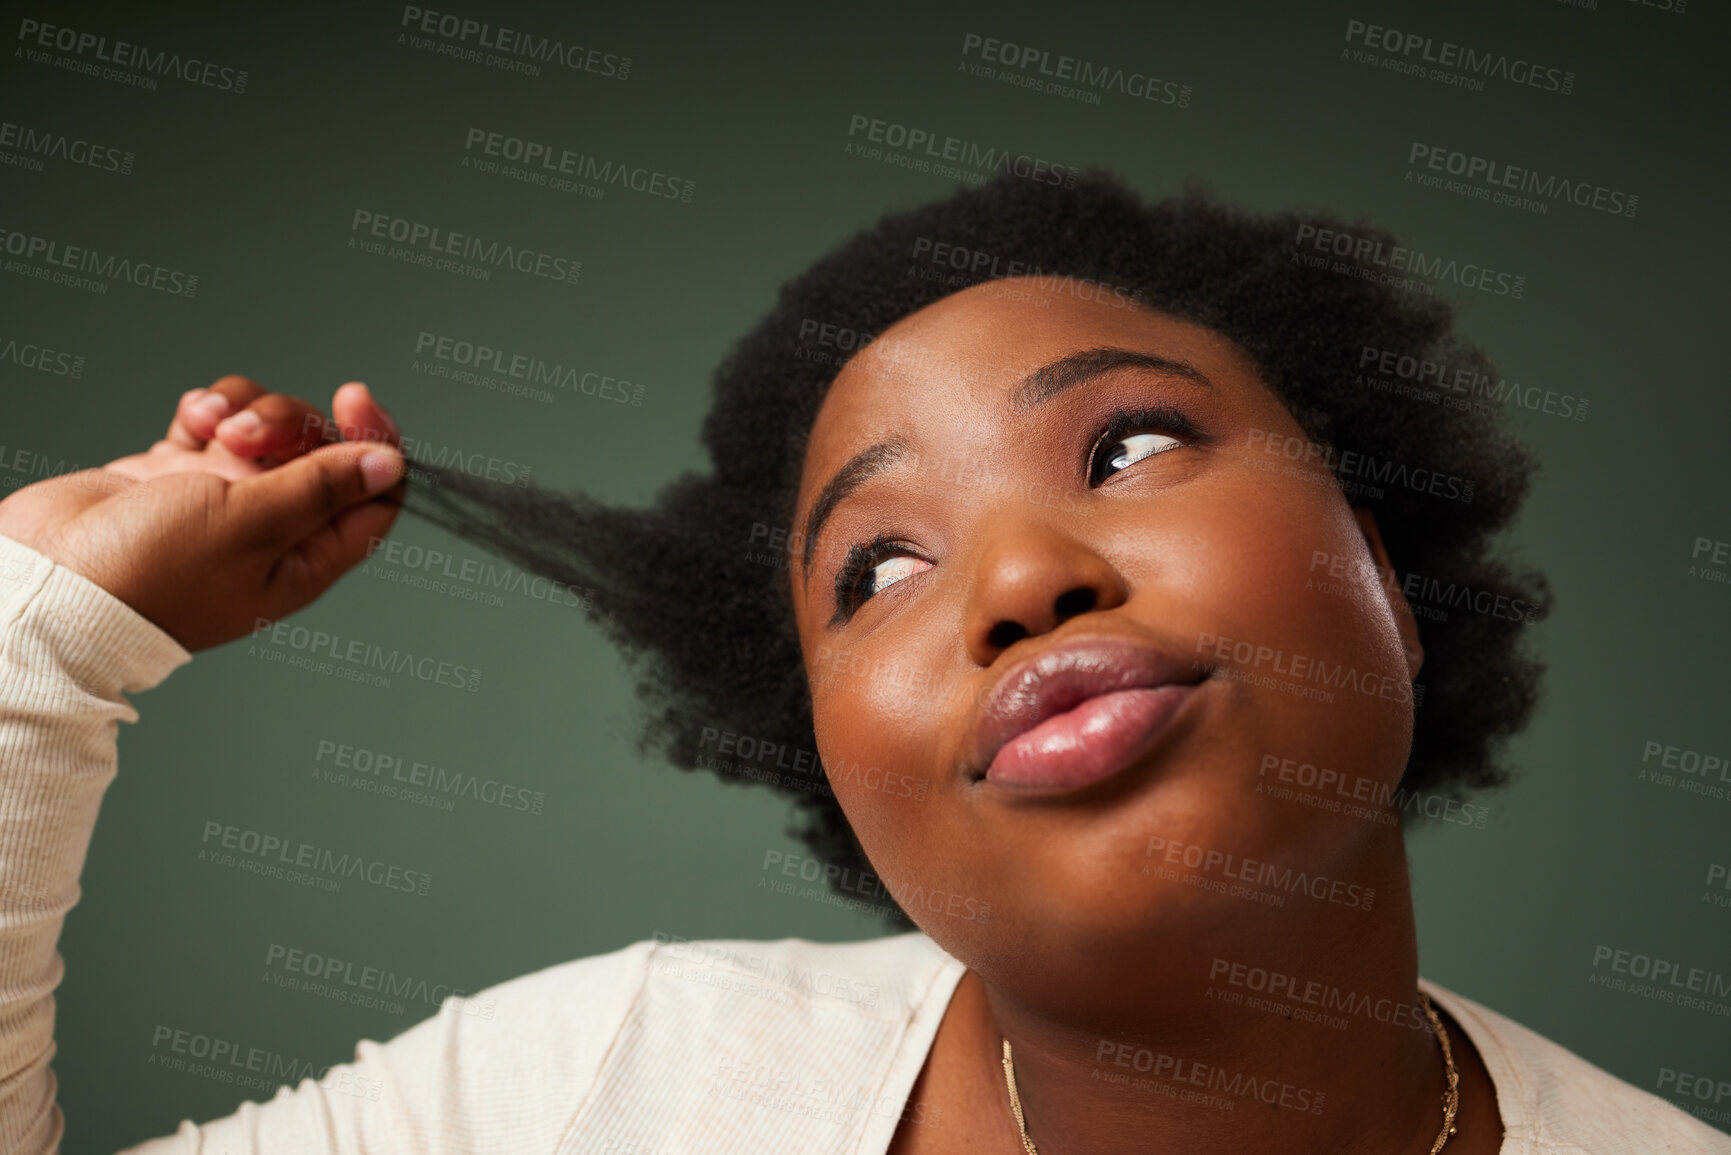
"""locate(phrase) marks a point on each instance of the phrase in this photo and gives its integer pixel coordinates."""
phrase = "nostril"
(1077, 601)
(1006, 634)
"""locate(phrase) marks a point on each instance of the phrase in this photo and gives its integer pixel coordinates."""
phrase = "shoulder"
(671, 992)
(873, 978)
(669, 1035)
(1554, 1100)
(881, 978)
(789, 1043)
(503, 1068)
(500, 1072)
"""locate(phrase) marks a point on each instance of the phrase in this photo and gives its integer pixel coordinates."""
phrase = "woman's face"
(1087, 606)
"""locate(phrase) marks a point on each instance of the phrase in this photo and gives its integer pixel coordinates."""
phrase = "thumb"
(279, 507)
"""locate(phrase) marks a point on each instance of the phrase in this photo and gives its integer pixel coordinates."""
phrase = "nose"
(1029, 580)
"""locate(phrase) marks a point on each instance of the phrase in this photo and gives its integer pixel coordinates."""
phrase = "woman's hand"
(243, 511)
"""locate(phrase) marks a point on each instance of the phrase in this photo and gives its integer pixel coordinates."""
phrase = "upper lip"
(1061, 678)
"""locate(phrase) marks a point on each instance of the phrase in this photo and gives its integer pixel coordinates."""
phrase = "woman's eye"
(1127, 451)
(870, 568)
(1132, 435)
(888, 572)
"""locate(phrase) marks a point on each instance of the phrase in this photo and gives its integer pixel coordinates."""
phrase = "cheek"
(882, 695)
(879, 716)
(1285, 601)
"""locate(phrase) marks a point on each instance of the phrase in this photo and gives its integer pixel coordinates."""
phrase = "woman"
(1089, 542)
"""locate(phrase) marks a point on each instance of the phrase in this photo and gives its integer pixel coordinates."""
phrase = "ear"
(1403, 616)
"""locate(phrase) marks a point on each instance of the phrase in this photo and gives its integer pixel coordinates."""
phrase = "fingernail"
(211, 405)
(381, 469)
(243, 424)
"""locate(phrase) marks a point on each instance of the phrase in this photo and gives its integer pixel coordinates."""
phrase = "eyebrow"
(1066, 373)
(860, 467)
(1043, 384)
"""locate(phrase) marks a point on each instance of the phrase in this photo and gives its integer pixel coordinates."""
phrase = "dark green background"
(254, 193)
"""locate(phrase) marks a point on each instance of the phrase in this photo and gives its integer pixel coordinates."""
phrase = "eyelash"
(1152, 419)
(864, 555)
(861, 558)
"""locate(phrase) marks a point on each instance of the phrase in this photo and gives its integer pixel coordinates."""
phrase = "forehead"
(961, 355)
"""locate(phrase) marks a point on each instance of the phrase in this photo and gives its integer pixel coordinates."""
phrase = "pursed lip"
(1063, 677)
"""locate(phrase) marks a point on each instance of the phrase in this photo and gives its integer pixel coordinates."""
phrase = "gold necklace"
(1451, 1098)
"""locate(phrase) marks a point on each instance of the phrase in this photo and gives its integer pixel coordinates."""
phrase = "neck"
(1298, 1030)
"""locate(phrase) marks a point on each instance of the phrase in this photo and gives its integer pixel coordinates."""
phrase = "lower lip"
(1089, 743)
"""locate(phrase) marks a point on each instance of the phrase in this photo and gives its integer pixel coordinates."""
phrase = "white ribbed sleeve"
(69, 651)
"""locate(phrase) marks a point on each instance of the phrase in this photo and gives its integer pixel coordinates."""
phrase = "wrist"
(105, 644)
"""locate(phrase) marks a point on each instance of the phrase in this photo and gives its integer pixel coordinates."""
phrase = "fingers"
(273, 425)
(247, 420)
(327, 553)
(199, 411)
(361, 418)
(279, 508)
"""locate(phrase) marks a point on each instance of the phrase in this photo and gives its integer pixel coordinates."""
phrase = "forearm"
(69, 651)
